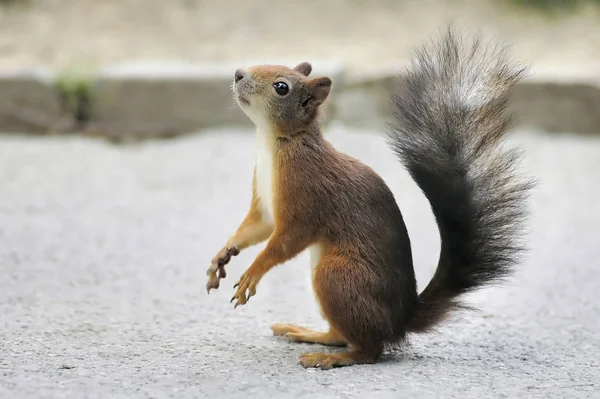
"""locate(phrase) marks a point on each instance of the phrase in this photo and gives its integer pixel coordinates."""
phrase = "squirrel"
(448, 129)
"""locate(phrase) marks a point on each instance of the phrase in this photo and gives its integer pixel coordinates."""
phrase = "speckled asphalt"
(103, 252)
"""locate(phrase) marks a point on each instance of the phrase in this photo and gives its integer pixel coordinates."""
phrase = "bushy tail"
(448, 131)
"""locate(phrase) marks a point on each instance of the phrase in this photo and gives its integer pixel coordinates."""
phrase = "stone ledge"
(30, 101)
(559, 101)
(155, 99)
(565, 100)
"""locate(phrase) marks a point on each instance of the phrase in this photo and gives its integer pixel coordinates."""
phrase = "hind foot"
(301, 334)
(326, 361)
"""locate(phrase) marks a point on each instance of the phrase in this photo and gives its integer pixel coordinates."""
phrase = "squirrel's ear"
(319, 89)
(304, 68)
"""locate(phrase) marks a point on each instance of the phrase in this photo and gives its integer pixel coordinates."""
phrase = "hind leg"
(301, 334)
(347, 294)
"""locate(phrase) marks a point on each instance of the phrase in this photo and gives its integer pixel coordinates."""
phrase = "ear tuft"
(320, 88)
(304, 68)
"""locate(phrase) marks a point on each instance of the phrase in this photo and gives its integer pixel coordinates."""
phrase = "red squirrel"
(448, 129)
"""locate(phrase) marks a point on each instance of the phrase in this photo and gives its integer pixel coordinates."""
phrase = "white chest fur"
(264, 173)
(315, 251)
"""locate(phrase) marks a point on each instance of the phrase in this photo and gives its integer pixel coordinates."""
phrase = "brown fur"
(327, 198)
(363, 278)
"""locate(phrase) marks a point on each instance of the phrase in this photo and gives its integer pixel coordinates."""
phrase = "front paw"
(216, 271)
(223, 258)
(246, 288)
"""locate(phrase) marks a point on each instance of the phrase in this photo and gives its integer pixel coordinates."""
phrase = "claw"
(240, 302)
(211, 283)
(236, 285)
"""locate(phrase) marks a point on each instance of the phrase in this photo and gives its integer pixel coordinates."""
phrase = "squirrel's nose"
(239, 75)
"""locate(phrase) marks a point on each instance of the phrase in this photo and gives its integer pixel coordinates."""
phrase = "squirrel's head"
(279, 97)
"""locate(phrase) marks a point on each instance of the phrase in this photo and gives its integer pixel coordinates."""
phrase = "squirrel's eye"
(281, 88)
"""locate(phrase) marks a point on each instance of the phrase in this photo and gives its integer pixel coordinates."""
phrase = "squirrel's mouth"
(243, 100)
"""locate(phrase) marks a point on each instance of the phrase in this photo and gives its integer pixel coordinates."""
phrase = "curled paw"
(246, 288)
(215, 273)
(216, 270)
(224, 256)
(213, 282)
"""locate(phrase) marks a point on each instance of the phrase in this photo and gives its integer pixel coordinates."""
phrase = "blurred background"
(104, 247)
(363, 33)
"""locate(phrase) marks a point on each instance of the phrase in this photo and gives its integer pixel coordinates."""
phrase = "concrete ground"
(103, 252)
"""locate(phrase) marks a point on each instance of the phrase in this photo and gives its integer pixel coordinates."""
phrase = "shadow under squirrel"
(448, 131)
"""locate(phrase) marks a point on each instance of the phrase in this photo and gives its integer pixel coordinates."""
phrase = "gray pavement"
(103, 252)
